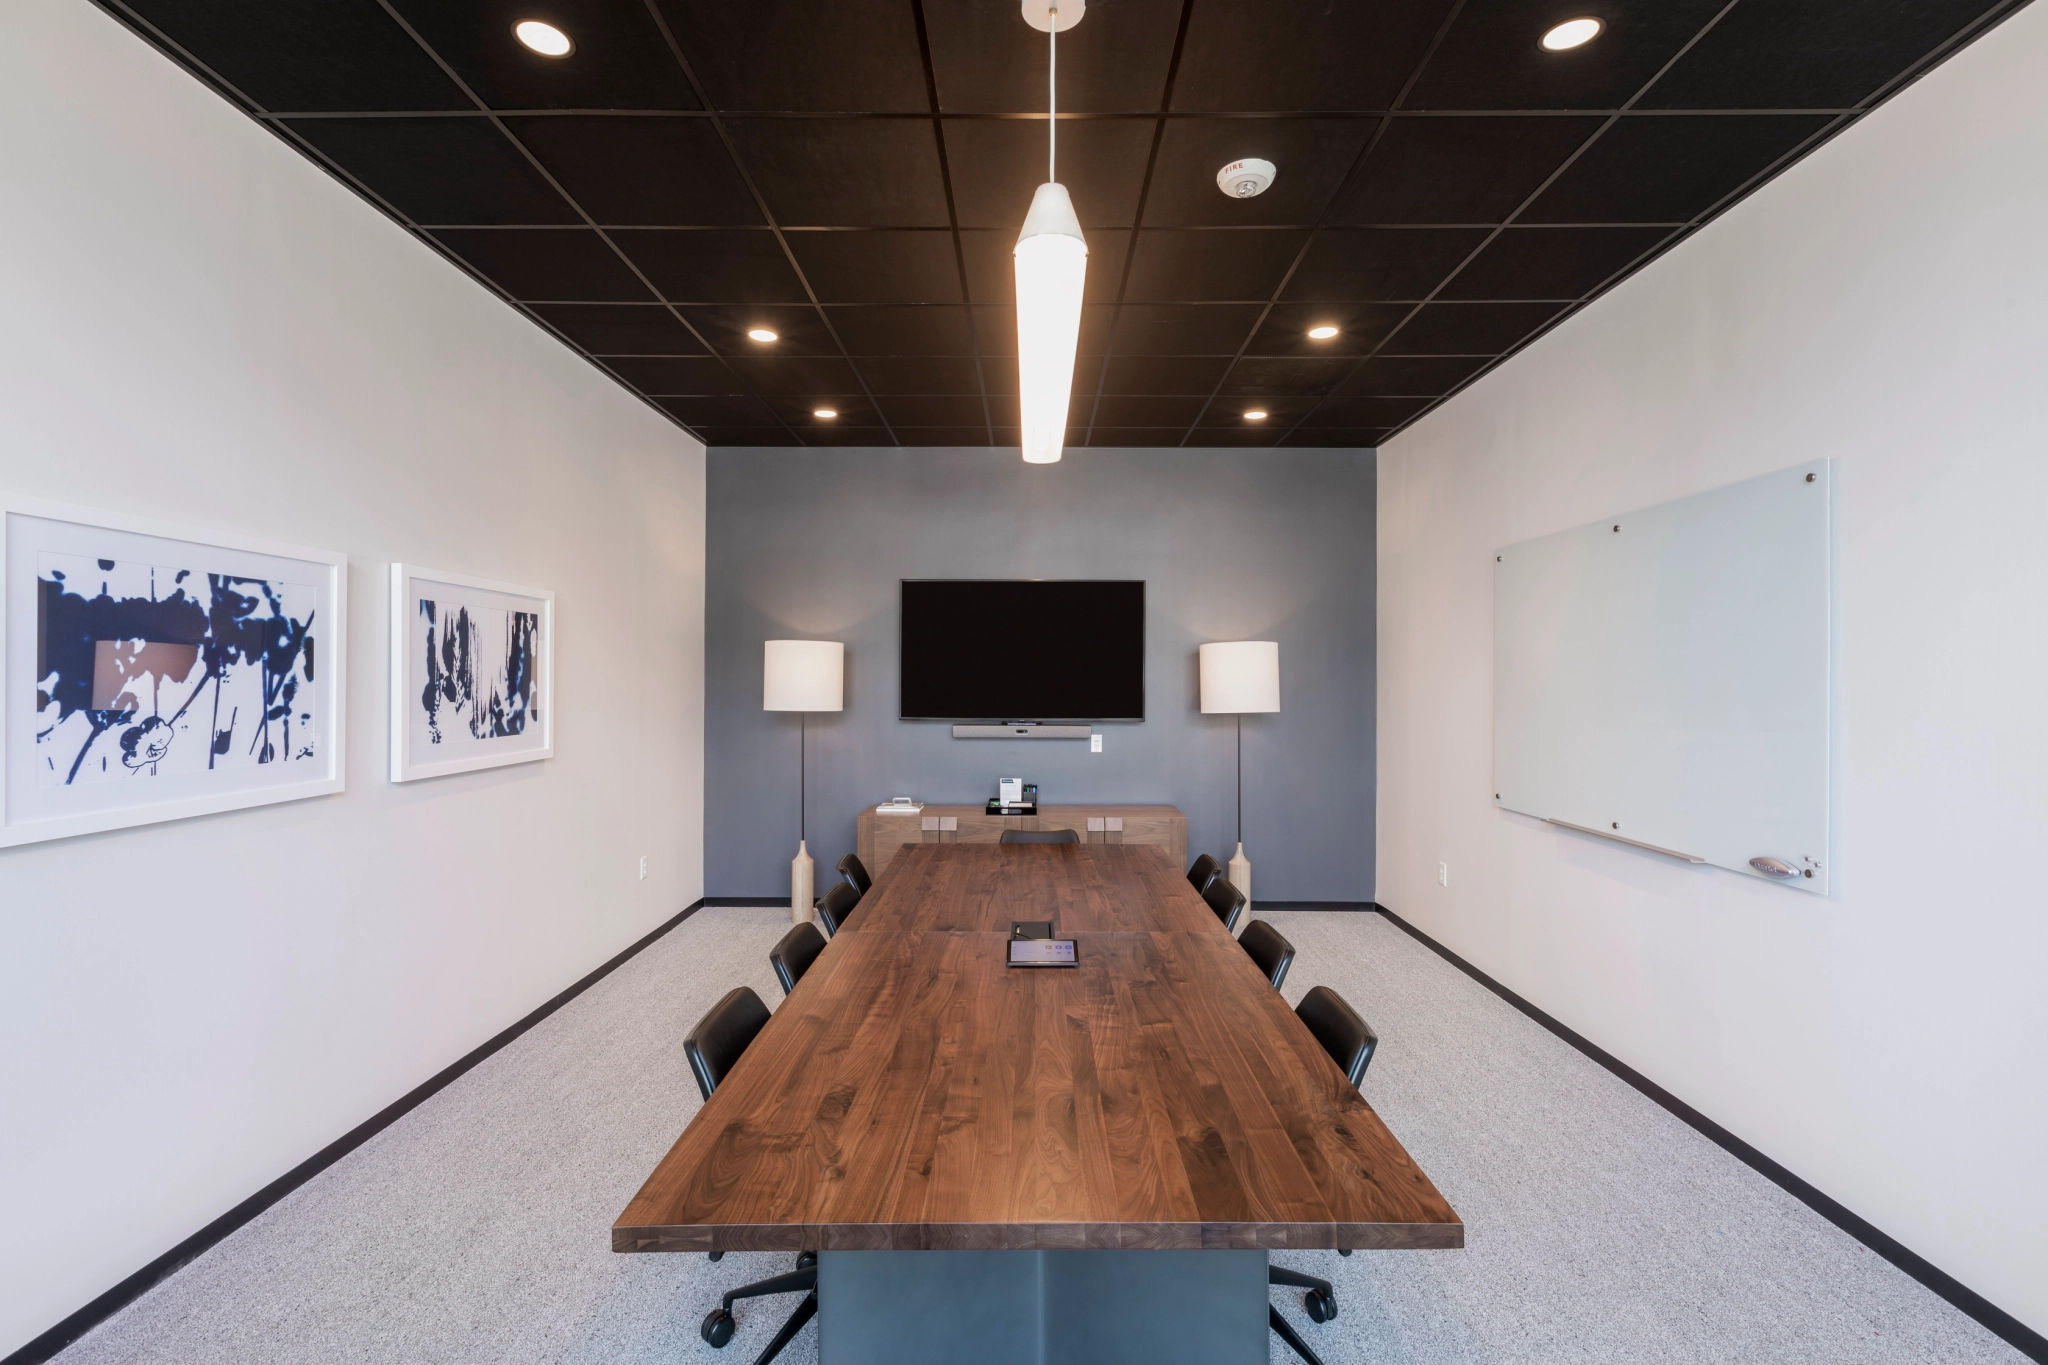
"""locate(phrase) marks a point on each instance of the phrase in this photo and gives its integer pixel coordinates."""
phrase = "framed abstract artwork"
(472, 673)
(155, 672)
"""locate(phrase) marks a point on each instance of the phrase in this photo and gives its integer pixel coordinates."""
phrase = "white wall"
(1885, 303)
(199, 325)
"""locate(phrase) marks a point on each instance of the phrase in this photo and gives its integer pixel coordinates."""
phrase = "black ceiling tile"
(1311, 158)
(1184, 328)
(1243, 434)
(798, 328)
(1135, 438)
(1334, 438)
(746, 436)
(1469, 328)
(942, 436)
(836, 435)
(1411, 374)
(796, 376)
(1004, 411)
(621, 329)
(854, 172)
(1118, 410)
(1275, 377)
(719, 412)
(1551, 263)
(955, 410)
(939, 374)
(561, 264)
(703, 376)
(999, 379)
(714, 266)
(337, 55)
(998, 164)
(1380, 263)
(651, 171)
(1195, 266)
(1668, 168)
(1458, 170)
(1363, 411)
(988, 60)
(619, 60)
(1304, 54)
(995, 330)
(992, 271)
(1007, 436)
(439, 170)
(1493, 57)
(852, 55)
(1813, 54)
(1281, 412)
(924, 330)
(1360, 327)
(879, 266)
(1143, 374)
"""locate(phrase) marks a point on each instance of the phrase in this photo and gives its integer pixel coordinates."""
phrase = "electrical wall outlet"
(1095, 744)
(643, 867)
(1443, 874)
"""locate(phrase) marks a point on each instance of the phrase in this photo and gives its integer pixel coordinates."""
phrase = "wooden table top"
(915, 1093)
(1082, 888)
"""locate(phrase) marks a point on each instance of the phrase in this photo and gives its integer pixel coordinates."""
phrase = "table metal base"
(1042, 1308)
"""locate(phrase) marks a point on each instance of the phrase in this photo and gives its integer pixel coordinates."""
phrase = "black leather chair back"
(1347, 1038)
(794, 953)
(722, 1035)
(856, 874)
(1202, 871)
(1273, 954)
(837, 905)
(1226, 900)
(1039, 836)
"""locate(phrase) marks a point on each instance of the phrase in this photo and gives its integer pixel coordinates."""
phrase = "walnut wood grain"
(1082, 889)
(915, 1093)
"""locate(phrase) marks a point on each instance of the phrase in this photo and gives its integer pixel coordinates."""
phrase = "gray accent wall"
(1232, 545)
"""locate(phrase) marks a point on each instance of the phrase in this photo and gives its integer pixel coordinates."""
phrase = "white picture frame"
(479, 706)
(262, 630)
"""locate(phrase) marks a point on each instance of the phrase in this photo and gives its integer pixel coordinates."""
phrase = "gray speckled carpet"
(1599, 1228)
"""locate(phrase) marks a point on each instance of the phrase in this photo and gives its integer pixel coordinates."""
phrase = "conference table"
(1013, 1166)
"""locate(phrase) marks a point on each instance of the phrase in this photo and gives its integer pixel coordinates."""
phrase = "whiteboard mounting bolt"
(1617, 824)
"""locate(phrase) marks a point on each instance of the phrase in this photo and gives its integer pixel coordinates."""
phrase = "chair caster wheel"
(717, 1328)
(1344, 1251)
(717, 1255)
(806, 1260)
(1321, 1307)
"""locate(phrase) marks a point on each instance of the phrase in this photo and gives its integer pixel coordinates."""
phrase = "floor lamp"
(1238, 677)
(803, 676)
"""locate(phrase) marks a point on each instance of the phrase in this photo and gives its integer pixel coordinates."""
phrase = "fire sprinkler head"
(1049, 17)
(1246, 178)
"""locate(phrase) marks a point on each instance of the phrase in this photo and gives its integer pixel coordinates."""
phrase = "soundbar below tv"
(978, 649)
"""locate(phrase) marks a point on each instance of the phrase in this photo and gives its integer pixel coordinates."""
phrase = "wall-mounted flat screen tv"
(1023, 649)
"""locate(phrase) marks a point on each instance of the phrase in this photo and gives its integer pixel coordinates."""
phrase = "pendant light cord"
(1052, 91)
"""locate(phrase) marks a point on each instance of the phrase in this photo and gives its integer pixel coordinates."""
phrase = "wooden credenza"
(881, 835)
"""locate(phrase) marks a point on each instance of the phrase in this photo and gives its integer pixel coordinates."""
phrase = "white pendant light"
(1052, 272)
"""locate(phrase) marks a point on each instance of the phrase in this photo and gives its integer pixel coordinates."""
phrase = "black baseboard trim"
(742, 902)
(1360, 907)
(41, 1348)
(1989, 1315)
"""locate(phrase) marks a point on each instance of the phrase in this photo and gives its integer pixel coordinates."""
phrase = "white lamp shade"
(804, 675)
(1240, 676)
(1052, 272)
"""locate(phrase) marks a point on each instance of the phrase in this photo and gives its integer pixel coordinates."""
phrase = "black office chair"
(1039, 836)
(837, 905)
(1350, 1042)
(1226, 900)
(856, 873)
(1202, 871)
(713, 1047)
(796, 950)
(1273, 954)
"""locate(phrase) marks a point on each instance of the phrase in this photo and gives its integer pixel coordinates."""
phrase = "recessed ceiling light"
(1322, 333)
(761, 334)
(824, 412)
(1570, 34)
(1255, 414)
(545, 39)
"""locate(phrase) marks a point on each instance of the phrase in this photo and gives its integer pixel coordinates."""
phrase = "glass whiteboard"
(1662, 678)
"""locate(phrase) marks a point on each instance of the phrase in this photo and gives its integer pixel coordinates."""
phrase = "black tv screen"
(1008, 649)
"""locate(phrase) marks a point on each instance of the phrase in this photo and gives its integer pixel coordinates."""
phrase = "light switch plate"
(1095, 744)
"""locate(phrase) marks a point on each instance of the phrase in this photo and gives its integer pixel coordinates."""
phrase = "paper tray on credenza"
(997, 808)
